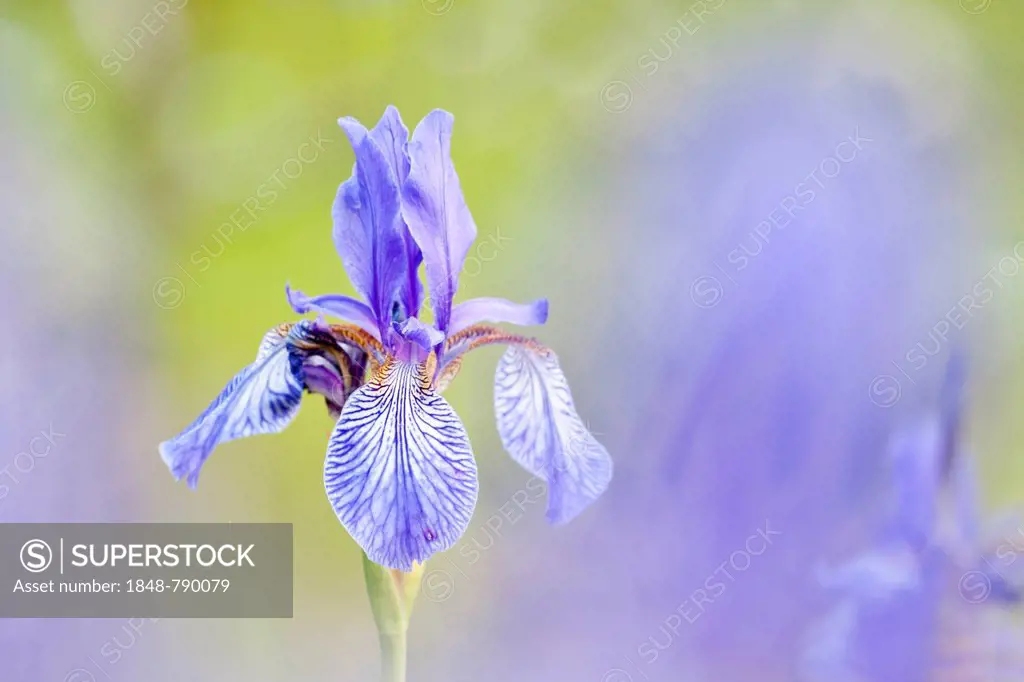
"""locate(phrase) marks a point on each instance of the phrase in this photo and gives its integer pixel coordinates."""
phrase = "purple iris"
(886, 594)
(400, 471)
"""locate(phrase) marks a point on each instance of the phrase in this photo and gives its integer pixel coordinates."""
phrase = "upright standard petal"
(335, 305)
(392, 137)
(399, 472)
(262, 398)
(366, 230)
(539, 427)
(497, 311)
(436, 212)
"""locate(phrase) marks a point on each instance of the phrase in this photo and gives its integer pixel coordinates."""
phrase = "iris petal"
(335, 305)
(916, 452)
(425, 335)
(366, 227)
(271, 341)
(540, 428)
(436, 211)
(355, 131)
(392, 137)
(498, 311)
(262, 398)
(400, 472)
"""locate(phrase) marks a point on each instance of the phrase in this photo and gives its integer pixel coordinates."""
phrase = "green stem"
(392, 656)
(392, 594)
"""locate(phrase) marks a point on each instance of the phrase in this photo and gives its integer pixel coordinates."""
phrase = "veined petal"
(272, 341)
(335, 305)
(262, 398)
(392, 137)
(540, 428)
(400, 472)
(366, 231)
(326, 379)
(333, 364)
(497, 311)
(436, 212)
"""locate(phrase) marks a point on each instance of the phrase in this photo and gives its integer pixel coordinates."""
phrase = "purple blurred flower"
(878, 628)
(751, 408)
(400, 471)
(874, 630)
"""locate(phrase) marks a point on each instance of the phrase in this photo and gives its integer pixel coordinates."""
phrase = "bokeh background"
(166, 167)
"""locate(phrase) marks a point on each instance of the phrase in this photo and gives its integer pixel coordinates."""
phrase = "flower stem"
(392, 656)
(392, 594)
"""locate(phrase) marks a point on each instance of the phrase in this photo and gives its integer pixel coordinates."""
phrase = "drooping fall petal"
(399, 471)
(262, 398)
(540, 428)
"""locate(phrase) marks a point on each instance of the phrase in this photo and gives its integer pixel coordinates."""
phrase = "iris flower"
(400, 471)
(934, 530)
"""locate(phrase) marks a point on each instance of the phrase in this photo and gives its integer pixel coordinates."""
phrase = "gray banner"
(145, 570)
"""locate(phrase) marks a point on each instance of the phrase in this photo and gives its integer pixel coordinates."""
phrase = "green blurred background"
(132, 132)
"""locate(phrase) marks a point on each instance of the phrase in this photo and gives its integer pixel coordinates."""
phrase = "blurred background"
(748, 352)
